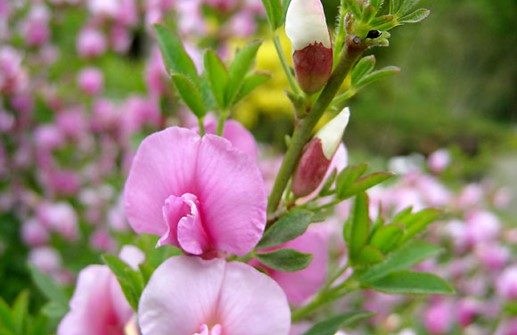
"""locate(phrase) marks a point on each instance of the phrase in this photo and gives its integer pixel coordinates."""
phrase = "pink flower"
(98, 305)
(439, 160)
(91, 43)
(194, 296)
(199, 194)
(91, 80)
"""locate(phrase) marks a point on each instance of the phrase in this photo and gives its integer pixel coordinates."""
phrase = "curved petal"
(91, 310)
(181, 295)
(251, 303)
(162, 166)
(231, 194)
(240, 137)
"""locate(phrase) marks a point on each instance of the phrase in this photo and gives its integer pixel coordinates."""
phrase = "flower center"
(204, 330)
(184, 227)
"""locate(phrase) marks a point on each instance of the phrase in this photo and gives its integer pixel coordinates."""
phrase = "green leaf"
(6, 318)
(217, 77)
(369, 12)
(287, 228)
(38, 325)
(416, 16)
(250, 83)
(402, 259)
(394, 6)
(348, 176)
(174, 55)
(54, 310)
(408, 282)
(335, 323)
(364, 65)
(20, 312)
(387, 238)
(353, 7)
(287, 260)
(373, 76)
(369, 255)
(206, 93)
(360, 225)
(406, 6)
(273, 12)
(419, 221)
(48, 287)
(239, 68)
(325, 189)
(190, 94)
(364, 183)
(376, 3)
(131, 281)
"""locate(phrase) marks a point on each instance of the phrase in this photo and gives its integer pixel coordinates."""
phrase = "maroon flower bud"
(306, 27)
(317, 155)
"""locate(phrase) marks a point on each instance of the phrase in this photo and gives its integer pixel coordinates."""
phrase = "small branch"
(355, 47)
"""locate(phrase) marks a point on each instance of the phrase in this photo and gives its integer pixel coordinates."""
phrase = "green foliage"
(335, 323)
(190, 94)
(16, 320)
(287, 228)
(408, 282)
(57, 305)
(241, 65)
(401, 259)
(174, 55)
(351, 181)
(287, 260)
(131, 281)
(274, 13)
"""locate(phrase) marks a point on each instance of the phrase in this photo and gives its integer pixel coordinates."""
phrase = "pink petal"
(90, 307)
(181, 295)
(187, 293)
(171, 164)
(234, 132)
(232, 196)
(162, 166)
(191, 233)
(251, 303)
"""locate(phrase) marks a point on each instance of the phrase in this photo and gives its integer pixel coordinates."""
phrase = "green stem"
(324, 297)
(201, 124)
(302, 132)
(285, 65)
(220, 122)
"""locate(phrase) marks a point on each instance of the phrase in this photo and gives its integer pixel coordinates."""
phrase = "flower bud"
(306, 27)
(317, 155)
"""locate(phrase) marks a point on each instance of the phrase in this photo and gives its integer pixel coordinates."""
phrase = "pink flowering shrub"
(118, 139)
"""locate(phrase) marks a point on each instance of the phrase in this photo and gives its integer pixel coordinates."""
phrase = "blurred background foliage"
(456, 88)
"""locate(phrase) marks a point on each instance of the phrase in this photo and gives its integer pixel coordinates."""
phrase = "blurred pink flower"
(59, 217)
(199, 194)
(438, 317)
(34, 233)
(98, 305)
(90, 80)
(439, 160)
(299, 286)
(91, 43)
(35, 29)
(194, 296)
(506, 284)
